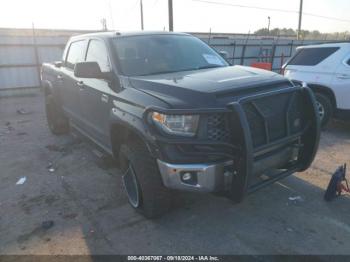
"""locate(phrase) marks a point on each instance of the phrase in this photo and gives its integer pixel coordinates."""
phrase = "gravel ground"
(79, 196)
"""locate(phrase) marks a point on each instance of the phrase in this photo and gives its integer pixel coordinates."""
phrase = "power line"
(133, 6)
(327, 17)
(246, 6)
(271, 9)
(129, 10)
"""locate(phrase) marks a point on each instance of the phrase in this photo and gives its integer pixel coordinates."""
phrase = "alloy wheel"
(320, 109)
(131, 186)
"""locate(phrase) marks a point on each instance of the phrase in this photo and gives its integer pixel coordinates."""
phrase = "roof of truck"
(111, 34)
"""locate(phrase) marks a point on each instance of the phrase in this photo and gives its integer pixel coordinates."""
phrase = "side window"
(75, 53)
(312, 56)
(97, 52)
(348, 62)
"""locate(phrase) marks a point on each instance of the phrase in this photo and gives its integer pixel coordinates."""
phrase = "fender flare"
(49, 88)
(324, 90)
(132, 124)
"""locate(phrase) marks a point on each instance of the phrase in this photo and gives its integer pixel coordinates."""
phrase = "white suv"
(326, 70)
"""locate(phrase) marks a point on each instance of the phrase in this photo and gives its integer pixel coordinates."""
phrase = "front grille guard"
(244, 153)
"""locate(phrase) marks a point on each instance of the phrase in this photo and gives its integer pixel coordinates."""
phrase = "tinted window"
(312, 56)
(157, 54)
(97, 52)
(348, 62)
(75, 53)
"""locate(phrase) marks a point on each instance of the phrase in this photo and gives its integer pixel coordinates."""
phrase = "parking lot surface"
(72, 201)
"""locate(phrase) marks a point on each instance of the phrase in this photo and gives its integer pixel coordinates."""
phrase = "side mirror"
(88, 70)
(224, 54)
(58, 64)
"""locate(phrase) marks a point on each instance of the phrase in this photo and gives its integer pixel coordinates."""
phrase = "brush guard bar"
(244, 155)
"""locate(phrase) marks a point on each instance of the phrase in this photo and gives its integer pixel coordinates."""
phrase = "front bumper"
(202, 177)
(218, 177)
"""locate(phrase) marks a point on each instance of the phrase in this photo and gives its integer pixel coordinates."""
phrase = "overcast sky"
(189, 15)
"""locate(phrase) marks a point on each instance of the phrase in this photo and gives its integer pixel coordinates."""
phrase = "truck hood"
(201, 87)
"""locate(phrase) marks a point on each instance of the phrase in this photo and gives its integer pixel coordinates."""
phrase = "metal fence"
(22, 56)
(248, 51)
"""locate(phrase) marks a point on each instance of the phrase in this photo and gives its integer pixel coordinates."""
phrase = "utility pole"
(209, 38)
(141, 9)
(300, 15)
(170, 7)
(104, 24)
(268, 24)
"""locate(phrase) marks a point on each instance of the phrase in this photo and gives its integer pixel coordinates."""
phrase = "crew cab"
(177, 116)
(326, 70)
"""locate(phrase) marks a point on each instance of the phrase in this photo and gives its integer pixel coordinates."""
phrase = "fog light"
(189, 177)
(186, 176)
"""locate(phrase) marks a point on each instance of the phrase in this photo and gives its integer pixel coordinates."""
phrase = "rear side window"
(97, 52)
(75, 54)
(312, 56)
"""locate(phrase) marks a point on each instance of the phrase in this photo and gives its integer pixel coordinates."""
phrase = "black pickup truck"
(177, 116)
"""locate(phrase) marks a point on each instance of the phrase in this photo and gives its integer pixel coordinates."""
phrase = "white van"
(326, 69)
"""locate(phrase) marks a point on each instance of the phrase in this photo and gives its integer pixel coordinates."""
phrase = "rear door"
(69, 83)
(312, 65)
(95, 97)
(341, 83)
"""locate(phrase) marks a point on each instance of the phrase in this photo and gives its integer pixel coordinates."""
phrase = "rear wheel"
(324, 108)
(56, 120)
(142, 180)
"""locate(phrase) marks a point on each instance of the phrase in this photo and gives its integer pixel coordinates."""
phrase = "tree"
(304, 34)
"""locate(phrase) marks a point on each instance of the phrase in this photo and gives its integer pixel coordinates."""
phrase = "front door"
(69, 83)
(95, 96)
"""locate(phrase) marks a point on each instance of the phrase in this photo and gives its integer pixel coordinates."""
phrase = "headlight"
(183, 125)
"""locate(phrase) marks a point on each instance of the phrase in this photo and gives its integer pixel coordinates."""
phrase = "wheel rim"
(320, 109)
(131, 186)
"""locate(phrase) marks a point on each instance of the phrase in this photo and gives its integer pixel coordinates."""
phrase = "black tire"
(56, 120)
(324, 107)
(153, 198)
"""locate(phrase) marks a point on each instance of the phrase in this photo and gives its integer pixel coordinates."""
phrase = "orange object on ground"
(262, 65)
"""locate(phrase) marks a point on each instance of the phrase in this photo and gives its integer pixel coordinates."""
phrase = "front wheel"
(142, 180)
(324, 108)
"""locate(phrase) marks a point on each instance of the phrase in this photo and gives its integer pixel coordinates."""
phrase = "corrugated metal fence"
(22, 56)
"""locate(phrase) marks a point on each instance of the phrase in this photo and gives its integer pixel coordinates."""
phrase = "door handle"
(59, 77)
(80, 84)
(104, 98)
(343, 76)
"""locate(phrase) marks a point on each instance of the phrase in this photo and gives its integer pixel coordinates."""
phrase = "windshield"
(157, 54)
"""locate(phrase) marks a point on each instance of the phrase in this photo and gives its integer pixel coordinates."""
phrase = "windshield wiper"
(161, 72)
(208, 66)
